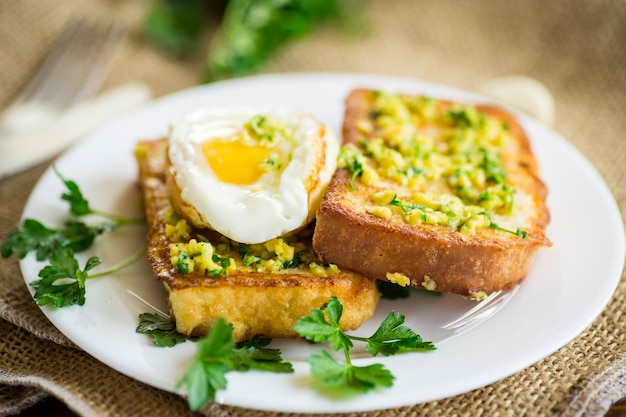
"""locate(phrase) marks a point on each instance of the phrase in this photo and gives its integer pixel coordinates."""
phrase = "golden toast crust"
(431, 256)
(256, 303)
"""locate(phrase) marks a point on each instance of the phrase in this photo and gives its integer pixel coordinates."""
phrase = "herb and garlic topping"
(434, 163)
(218, 258)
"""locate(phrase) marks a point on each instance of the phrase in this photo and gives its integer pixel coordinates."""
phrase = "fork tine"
(475, 311)
(56, 54)
(76, 64)
(66, 71)
(477, 315)
(73, 70)
(97, 48)
(113, 34)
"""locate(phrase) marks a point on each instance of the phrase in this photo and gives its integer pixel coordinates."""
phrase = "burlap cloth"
(576, 48)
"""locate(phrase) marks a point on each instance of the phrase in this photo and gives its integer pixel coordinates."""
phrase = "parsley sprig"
(33, 236)
(79, 205)
(391, 337)
(62, 281)
(218, 354)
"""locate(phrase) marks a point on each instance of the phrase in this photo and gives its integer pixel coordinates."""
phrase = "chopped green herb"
(466, 117)
(256, 127)
(405, 206)
(518, 232)
(273, 163)
(352, 159)
(223, 262)
(298, 259)
(251, 260)
(246, 257)
(182, 263)
(494, 170)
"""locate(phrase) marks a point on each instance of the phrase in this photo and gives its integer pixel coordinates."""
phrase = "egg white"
(278, 202)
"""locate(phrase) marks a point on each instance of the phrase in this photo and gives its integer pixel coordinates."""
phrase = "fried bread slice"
(433, 194)
(260, 289)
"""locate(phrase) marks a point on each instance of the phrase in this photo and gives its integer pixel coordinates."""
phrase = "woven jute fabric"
(576, 48)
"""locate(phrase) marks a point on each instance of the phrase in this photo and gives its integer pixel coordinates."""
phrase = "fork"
(475, 316)
(72, 71)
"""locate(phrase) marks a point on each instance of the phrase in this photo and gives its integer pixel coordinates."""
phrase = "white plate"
(568, 286)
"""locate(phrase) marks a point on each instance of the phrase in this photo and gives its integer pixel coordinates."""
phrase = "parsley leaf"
(32, 235)
(79, 206)
(203, 379)
(62, 282)
(217, 355)
(339, 375)
(254, 357)
(177, 26)
(256, 341)
(315, 328)
(393, 337)
(162, 329)
(205, 374)
(390, 338)
(252, 31)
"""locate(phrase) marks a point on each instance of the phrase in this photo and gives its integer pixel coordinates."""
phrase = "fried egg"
(251, 174)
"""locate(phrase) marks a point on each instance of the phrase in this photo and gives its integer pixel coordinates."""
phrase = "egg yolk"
(235, 162)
